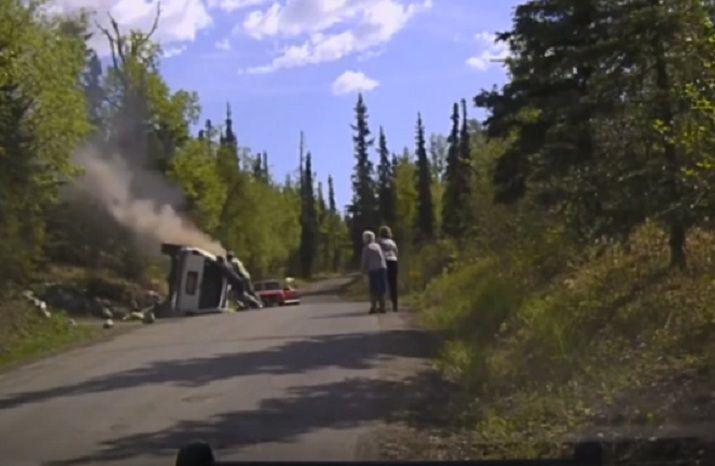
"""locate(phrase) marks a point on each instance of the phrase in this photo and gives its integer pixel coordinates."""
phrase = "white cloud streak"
(332, 29)
(224, 45)
(353, 81)
(230, 6)
(181, 20)
(170, 52)
(491, 53)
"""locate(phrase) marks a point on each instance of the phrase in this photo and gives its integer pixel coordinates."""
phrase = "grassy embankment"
(25, 333)
(558, 343)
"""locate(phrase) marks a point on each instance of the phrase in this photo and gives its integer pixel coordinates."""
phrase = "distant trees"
(55, 97)
(332, 207)
(424, 222)
(385, 182)
(595, 118)
(363, 210)
(406, 198)
(323, 233)
(451, 209)
(464, 187)
(308, 220)
(43, 116)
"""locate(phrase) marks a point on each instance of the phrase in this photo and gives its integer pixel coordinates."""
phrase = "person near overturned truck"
(238, 284)
(374, 266)
(242, 272)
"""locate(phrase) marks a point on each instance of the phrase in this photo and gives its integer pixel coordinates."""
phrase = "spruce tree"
(425, 212)
(451, 206)
(592, 105)
(301, 155)
(385, 183)
(266, 173)
(258, 168)
(322, 208)
(229, 138)
(465, 173)
(308, 221)
(363, 209)
(227, 152)
(332, 206)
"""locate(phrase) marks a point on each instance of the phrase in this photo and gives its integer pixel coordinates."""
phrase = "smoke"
(139, 199)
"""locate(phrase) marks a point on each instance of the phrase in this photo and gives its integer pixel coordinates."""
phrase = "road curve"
(311, 382)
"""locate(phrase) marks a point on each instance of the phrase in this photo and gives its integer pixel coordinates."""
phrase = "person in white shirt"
(373, 265)
(389, 250)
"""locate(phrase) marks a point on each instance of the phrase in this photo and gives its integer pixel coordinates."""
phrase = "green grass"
(25, 333)
(540, 356)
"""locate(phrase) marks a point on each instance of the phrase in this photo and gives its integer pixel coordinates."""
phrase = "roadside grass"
(25, 333)
(542, 358)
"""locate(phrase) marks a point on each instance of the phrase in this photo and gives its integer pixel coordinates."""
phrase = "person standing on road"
(373, 265)
(389, 249)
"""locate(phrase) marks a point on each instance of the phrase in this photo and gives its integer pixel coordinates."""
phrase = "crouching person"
(374, 266)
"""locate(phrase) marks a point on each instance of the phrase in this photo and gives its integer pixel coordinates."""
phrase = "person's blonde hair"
(368, 237)
(385, 232)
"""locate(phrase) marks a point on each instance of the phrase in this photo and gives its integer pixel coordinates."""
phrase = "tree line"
(56, 98)
(424, 194)
(606, 122)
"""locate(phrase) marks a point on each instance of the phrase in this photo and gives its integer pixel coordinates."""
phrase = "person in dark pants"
(389, 250)
(373, 265)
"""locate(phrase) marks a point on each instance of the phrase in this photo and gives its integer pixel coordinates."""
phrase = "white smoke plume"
(141, 200)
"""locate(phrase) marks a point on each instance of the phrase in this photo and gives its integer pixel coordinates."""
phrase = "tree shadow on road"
(339, 405)
(348, 351)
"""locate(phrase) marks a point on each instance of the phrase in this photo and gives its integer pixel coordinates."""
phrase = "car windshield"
(357, 230)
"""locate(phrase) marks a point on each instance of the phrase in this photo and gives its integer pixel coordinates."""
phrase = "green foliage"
(363, 210)
(202, 178)
(25, 333)
(544, 355)
(592, 117)
(425, 206)
(232, 204)
(308, 221)
(406, 200)
(43, 116)
(385, 183)
(453, 209)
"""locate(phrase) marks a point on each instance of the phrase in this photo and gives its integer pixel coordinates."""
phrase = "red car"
(277, 293)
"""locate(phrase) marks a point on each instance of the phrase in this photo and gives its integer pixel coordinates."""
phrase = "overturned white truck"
(197, 284)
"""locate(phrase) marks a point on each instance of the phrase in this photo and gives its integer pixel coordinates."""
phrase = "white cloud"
(370, 54)
(223, 45)
(491, 54)
(354, 26)
(230, 6)
(353, 81)
(170, 52)
(180, 20)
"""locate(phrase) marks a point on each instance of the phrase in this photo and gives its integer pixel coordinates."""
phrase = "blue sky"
(292, 65)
